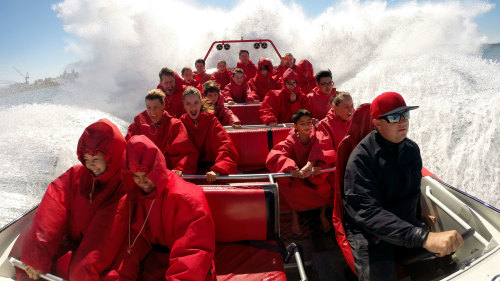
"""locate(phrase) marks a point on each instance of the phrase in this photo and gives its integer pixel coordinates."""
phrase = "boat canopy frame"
(225, 43)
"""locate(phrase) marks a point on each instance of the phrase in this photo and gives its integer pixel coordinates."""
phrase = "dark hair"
(299, 113)
(199, 61)
(323, 73)
(238, 70)
(243, 51)
(166, 72)
(221, 61)
(185, 69)
(210, 86)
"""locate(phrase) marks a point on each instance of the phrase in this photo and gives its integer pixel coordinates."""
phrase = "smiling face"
(96, 164)
(212, 97)
(238, 78)
(154, 108)
(200, 67)
(192, 105)
(221, 66)
(143, 182)
(325, 85)
(304, 125)
(393, 132)
(168, 84)
(344, 110)
(188, 75)
(244, 57)
(291, 85)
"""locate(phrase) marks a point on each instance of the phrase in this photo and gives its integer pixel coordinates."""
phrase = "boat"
(253, 236)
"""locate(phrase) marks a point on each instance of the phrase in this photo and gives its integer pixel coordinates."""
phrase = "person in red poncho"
(188, 76)
(263, 82)
(306, 81)
(288, 61)
(247, 65)
(78, 212)
(217, 152)
(168, 133)
(172, 85)
(321, 96)
(215, 103)
(222, 76)
(238, 90)
(279, 105)
(332, 129)
(307, 188)
(170, 233)
(201, 75)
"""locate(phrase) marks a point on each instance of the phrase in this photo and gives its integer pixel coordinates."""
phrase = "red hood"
(142, 155)
(263, 62)
(102, 136)
(290, 74)
(305, 66)
(220, 103)
(143, 118)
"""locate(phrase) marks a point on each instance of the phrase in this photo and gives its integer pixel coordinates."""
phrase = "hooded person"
(306, 81)
(279, 105)
(322, 95)
(168, 133)
(173, 87)
(263, 82)
(78, 215)
(288, 61)
(171, 233)
(215, 101)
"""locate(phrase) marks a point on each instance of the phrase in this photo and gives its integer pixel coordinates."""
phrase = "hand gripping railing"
(47, 276)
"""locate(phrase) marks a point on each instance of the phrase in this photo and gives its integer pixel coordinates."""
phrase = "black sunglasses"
(396, 117)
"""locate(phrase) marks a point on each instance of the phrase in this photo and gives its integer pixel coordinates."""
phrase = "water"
(431, 53)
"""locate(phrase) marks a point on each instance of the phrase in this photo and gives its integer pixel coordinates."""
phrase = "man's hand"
(256, 101)
(316, 170)
(296, 173)
(211, 176)
(231, 102)
(179, 173)
(307, 170)
(32, 273)
(443, 243)
(273, 124)
(237, 125)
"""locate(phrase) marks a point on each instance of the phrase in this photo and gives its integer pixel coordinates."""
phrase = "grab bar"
(260, 126)
(250, 176)
(47, 276)
(454, 216)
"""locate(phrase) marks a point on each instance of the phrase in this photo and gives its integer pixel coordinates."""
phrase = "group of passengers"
(126, 214)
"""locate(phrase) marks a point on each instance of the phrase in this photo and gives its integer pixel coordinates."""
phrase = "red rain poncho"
(225, 115)
(249, 69)
(261, 84)
(320, 103)
(222, 78)
(309, 83)
(173, 103)
(239, 93)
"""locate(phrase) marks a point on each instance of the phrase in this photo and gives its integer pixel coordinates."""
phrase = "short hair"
(340, 97)
(299, 113)
(193, 91)
(156, 94)
(221, 61)
(243, 51)
(323, 73)
(184, 69)
(288, 55)
(210, 86)
(199, 61)
(238, 70)
(166, 72)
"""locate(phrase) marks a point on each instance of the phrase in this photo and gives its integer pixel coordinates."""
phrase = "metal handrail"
(262, 126)
(46, 276)
(250, 176)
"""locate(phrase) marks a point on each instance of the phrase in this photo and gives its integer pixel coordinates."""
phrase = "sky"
(33, 40)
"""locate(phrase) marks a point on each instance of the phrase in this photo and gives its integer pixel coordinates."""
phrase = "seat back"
(247, 113)
(360, 127)
(244, 213)
(253, 145)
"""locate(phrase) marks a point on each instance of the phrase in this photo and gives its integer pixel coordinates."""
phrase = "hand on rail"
(230, 102)
(237, 125)
(273, 124)
(212, 176)
(256, 101)
(443, 243)
(428, 220)
(179, 173)
(32, 273)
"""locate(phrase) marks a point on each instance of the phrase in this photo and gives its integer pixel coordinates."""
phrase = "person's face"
(244, 57)
(212, 97)
(200, 67)
(188, 75)
(304, 125)
(168, 84)
(238, 78)
(291, 85)
(344, 110)
(263, 71)
(192, 105)
(143, 182)
(393, 132)
(289, 61)
(154, 108)
(325, 85)
(221, 67)
(96, 164)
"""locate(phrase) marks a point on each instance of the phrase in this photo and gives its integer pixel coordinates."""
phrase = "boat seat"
(253, 145)
(246, 230)
(247, 113)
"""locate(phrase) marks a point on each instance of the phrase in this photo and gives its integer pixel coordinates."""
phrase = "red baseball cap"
(389, 103)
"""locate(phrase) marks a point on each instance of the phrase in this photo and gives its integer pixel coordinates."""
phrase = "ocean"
(431, 53)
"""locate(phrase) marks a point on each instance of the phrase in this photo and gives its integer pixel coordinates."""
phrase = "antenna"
(20, 73)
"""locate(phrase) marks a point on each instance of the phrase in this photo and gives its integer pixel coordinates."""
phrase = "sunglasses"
(396, 117)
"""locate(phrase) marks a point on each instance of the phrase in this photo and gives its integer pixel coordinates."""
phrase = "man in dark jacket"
(382, 195)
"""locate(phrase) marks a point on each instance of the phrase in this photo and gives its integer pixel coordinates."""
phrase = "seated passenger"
(222, 76)
(187, 75)
(171, 234)
(263, 82)
(382, 196)
(307, 189)
(321, 96)
(247, 65)
(217, 152)
(201, 75)
(238, 90)
(278, 105)
(307, 82)
(332, 129)
(168, 133)
(77, 212)
(288, 61)
(172, 85)
(215, 102)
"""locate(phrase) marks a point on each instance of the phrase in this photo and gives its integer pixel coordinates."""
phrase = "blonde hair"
(156, 94)
(339, 98)
(196, 92)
